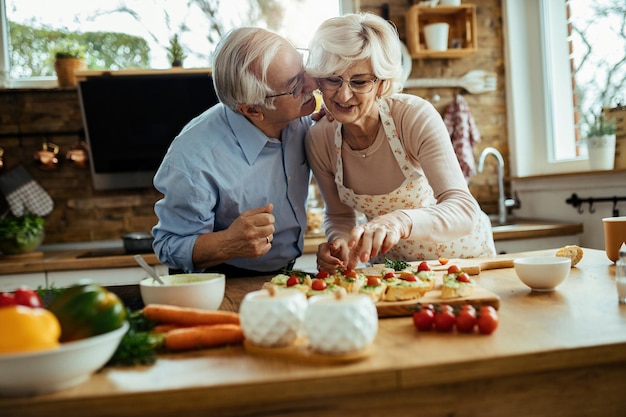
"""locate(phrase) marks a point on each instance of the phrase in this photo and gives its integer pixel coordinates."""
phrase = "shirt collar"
(250, 138)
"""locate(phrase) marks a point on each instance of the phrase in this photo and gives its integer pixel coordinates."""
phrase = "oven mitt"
(24, 194)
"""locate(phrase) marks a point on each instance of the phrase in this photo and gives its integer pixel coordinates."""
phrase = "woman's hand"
(331, 256)
(378, 235)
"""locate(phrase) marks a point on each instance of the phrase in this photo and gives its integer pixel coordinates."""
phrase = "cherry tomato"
(427, 306)
(487, 320)
(408, 277)
(372, 280)
(319, 284)
(463, 277)
(7, 299)
(322, 274)
(423, 266)
(293, 280)
(27, 297)
(424, 319)
(445, 319)
(487, 309)
(350, 273)
(390, 275)
(454, 269)
(466, 319)
(443, 260)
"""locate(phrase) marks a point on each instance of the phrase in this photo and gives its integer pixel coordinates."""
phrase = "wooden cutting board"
(472, 266)
(301, 352)
(480, 297)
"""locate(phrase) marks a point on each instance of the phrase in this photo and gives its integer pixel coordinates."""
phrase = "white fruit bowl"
(52, 370)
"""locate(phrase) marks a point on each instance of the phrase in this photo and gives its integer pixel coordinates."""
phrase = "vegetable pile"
(162, 328)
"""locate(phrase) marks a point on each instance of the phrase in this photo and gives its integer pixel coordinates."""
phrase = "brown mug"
(47, 157)
(614, 235)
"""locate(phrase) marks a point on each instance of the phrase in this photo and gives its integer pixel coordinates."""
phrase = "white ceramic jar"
(273, 319)
(337, 325)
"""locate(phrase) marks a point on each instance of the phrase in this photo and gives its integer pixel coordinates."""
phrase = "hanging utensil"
(142, 263)
(475, 82)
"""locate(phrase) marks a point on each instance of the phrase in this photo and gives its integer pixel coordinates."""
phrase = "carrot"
(166, 327)
(200, 337)
(161, 313)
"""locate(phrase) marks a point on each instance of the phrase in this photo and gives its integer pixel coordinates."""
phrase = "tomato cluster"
(444, 318)
(22, 296)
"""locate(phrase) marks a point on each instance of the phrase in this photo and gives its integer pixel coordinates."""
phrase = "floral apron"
(415, 192)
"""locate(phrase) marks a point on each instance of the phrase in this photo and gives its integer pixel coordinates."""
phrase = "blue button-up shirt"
(221, 165)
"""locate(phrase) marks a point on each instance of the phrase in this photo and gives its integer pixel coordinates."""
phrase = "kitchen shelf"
(462, 21)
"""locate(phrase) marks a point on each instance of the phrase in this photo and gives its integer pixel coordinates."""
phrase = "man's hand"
(249, 236)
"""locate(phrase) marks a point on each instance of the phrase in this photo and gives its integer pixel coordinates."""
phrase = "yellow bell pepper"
(26, 329)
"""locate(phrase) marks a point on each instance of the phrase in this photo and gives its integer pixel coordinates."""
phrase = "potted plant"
(175, 52)
(601, 143)
(21, 234)
(68, 58)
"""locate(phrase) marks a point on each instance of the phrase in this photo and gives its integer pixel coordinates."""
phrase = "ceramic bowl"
(52, 370)
(542, 273)
(205, 291)
(273, 319)
(340, 325)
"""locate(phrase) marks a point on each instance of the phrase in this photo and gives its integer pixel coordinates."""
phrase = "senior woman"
(384, 154)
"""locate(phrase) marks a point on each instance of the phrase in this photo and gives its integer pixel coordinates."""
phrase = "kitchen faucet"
(503, 202)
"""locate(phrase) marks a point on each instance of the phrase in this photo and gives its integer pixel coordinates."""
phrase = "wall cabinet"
(461, 37)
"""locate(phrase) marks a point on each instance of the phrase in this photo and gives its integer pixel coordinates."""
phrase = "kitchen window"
(540, 101)
(157, 21)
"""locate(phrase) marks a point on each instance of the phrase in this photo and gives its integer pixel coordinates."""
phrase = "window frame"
(537, 99)
(345, 6)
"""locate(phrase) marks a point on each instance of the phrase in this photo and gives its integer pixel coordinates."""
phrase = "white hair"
(240, 65)
(340, 41)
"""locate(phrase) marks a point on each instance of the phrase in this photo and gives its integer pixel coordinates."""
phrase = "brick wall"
(28, 117)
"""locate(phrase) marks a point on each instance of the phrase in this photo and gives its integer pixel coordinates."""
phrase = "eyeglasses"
(357, 85)
(297, 89)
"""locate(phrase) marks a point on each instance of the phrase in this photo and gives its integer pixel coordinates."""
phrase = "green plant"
(29, 223)
(66, 49)
(175, 51)
(601, 127)
(21, 234)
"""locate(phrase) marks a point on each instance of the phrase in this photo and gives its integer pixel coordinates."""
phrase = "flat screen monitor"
(130, 121)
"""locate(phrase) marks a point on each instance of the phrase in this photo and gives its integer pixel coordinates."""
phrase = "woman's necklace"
(363, 149)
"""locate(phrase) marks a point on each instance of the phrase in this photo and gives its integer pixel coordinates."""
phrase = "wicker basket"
(65, 68)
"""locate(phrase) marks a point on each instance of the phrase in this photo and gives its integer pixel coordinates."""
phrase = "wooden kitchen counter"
(561, 353)
(64, 260)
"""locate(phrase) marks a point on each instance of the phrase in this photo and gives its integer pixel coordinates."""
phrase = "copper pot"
(78, 155)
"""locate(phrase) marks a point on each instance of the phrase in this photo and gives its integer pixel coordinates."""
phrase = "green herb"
(29, 224)
(138, 346)
(396, 265)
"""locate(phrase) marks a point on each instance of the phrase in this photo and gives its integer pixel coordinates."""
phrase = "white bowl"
(273, 320)
(205, 291)
(52, 370)
(542, 273)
